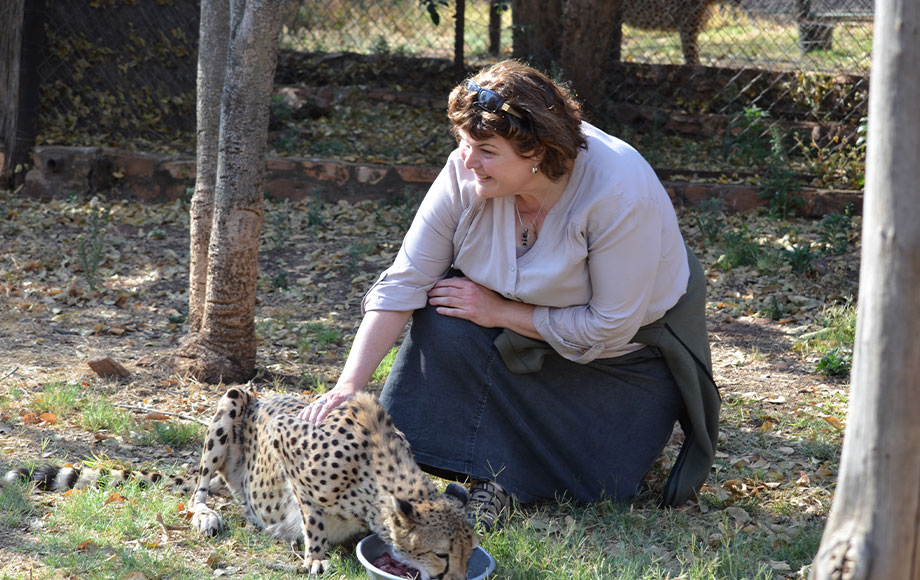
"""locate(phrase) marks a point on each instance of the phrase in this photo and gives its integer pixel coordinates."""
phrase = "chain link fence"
(783, 83)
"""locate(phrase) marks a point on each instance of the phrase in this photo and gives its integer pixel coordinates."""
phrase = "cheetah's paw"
(315, 567)
(207, 521)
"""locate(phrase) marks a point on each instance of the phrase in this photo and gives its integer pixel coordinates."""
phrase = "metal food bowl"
(479, 566)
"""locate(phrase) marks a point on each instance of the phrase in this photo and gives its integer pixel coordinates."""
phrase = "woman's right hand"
(316, 411)
(377, 333)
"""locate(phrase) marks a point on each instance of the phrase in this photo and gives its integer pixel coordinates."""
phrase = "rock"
(107, 368)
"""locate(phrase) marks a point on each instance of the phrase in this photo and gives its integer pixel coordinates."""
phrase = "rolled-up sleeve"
(426, 252)
(623, 262)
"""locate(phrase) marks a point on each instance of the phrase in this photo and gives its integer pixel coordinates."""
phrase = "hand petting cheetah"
(322, 484)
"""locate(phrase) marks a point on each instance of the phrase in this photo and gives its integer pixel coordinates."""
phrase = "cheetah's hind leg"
(219, 445)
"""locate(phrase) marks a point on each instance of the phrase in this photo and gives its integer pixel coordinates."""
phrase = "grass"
(732, 532)
(760, 512)
(733, 38)
(398, 27)
(175, 434)
(101, 533)
(98, 414)
(15, 507)
(98, 533)
(59, 398)
(383, 369)
(834, 342)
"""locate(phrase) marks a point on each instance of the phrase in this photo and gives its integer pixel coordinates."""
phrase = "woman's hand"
(462, 298)
(377, 333)
(316, 411)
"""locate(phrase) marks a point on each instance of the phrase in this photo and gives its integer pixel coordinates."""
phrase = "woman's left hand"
(462, 298)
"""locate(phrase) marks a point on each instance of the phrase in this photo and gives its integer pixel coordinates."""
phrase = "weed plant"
(709, 220)
(836, 362)
(779, 184)
(280, 232)
(357, 252)
(315, 207)
(400, 209)
(834, 341)
(800, 257)
(91, 243)
(836, 230)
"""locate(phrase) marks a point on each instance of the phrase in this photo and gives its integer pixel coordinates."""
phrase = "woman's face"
(498, 168)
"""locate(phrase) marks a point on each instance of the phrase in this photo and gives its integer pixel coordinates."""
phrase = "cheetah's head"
(432, 535)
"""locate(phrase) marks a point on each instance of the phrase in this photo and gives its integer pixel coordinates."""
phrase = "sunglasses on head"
(488, 100)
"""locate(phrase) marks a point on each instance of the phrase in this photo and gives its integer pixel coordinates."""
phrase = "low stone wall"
(120, 174)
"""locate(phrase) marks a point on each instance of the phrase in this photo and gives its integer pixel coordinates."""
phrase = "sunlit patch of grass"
(383, 369)
(98, 413)
(834, 342)
(735, 38)
(176, 434)
(607, 540)
(101, 533)
(58, 398)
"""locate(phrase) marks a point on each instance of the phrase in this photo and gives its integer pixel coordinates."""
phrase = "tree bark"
(536, 31)
(587, 27)
(214, 37)
(873, 530)
(459, 33)
(21, 46)
(221, 343)
(495, 27)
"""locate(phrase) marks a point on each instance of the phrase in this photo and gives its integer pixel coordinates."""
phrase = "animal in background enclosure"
(684, 16)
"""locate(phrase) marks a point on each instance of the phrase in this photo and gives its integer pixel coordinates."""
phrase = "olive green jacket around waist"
(682, 338)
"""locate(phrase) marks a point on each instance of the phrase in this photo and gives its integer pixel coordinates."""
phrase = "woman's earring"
(534, 169)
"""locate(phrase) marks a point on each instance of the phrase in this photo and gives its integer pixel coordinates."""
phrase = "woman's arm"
(376, 335)
(462, 298)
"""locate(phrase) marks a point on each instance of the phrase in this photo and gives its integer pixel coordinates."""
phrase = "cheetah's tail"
(51, 477)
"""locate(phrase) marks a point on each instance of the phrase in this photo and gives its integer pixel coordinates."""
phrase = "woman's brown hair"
(550, 120)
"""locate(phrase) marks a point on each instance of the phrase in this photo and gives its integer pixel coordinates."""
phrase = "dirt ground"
(316, 262)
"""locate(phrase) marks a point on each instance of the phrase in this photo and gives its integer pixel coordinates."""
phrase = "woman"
(558, 326)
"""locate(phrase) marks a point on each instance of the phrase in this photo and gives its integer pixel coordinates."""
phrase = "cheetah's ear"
(404, 511)
(457, 492)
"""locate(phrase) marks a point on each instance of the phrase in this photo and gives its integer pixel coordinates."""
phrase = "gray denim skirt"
(586, 432)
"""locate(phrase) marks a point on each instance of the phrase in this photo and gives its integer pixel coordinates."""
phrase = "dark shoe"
(489, 505)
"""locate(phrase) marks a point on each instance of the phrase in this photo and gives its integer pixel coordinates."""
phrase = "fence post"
(20, 52)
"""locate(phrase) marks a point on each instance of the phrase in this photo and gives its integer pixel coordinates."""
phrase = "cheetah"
(688, 17)
(321, 485)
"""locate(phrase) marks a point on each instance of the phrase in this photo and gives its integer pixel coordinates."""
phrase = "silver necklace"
(525, 230)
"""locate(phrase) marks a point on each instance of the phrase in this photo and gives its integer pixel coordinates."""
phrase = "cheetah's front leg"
(316, 541)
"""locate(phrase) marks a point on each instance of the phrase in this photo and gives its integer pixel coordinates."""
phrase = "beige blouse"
(609, 259)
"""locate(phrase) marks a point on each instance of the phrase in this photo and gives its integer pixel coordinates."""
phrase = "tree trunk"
(214, 37)
(536, 30)
(587, 27)
(874, 526)
(221, 342)
(21, 45)
(495, 27)
(459, 38)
